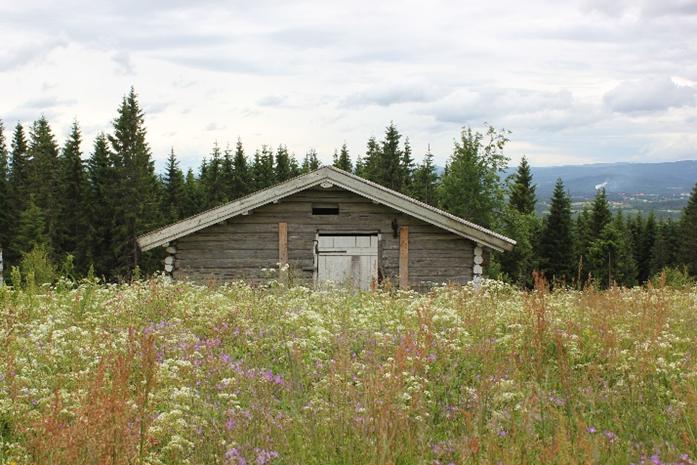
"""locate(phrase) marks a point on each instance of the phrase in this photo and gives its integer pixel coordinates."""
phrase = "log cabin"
(327, 226)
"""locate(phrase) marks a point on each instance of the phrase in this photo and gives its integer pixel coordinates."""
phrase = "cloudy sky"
(575, 83)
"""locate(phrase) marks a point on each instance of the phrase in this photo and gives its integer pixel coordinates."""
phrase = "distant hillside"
(665, 179)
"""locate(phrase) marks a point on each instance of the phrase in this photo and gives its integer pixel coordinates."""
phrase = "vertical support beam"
(404, 257)
(283, 252)
(1, 267)
(477, 267)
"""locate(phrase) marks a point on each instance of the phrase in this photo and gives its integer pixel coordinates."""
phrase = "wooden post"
(283, 252)
(404, 257)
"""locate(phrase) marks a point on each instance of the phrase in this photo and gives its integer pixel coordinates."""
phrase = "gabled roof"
(334, 177)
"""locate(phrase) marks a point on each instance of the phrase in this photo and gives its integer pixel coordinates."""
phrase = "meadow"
(156, 372)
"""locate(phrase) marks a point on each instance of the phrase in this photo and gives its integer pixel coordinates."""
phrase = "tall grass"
(175, 373)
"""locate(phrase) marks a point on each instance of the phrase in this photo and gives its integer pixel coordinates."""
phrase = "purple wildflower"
(265, 456)
(233, 456)
(591, 429)
(656, 460)
(611, 437)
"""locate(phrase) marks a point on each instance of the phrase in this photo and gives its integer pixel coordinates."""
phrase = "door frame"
(350, 232)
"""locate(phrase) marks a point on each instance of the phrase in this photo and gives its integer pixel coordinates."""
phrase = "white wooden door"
(347, 260)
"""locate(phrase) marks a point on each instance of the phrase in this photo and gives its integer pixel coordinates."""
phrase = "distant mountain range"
(663, 179)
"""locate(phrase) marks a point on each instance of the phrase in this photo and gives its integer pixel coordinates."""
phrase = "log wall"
(241, 247)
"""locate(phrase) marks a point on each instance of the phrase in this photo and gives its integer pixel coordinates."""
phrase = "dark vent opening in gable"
(325, 209)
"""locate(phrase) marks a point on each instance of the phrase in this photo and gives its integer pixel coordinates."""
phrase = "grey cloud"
(216, 62)
(394, 93)
(272, 101)
(27, 54)
(646, 8)
(123, 60)
(647, 95)
(42, 103)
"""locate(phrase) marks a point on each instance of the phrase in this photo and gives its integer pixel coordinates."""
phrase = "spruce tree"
(31, 229)
(263, 168)
(72, 202)
(522, 194)
(137, 209)
(342, 160)
(359, 168)
(5, 199)
(666, 249)
(227, 173)
(390, 170)
(243, 182)
(102, 180)
(600, 214)
(282, 166)
(44, 175)
(646, 246)
(688, 231)
(582, 234)
(406, 168)
(611, 258)
(310, 162)
(370, 166)
(193, 198)
(424, 186)
(471, 187)
(212, 183)
(19, 188)
(556, 254)
(173, 198)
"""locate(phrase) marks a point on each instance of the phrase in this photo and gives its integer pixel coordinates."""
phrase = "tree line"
(84, 214)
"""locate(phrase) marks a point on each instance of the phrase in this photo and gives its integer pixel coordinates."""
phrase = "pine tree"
(342, 160)
(101, 192)
(173, 199)
(137, 210)
(243, 182)
(522, 196)
(556, 254)
(282, 165)
(424, 186)
(5, 218)
(519, 264)
(688, 231)
(471, 187)
(359, 168)
(72, 202)
(310, 162)
(582, 234)
(44, 173)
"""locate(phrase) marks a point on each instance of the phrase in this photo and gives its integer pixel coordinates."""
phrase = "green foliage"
(31, 230)
(518, 265)
(5, 198)
(387, 163)
(174, 195)
(136, 187)
(242, 179)
(342, 160)
(471, 187)
(101, 174)
(673, 276)
(522, 191)
(310, 162)
(263, 168)
(19, 187)
(556, 244)
(36, 266)
(600, 214)
(72, 198)
(610, 256)
(424, 184)
(688, 231)
(283, 165)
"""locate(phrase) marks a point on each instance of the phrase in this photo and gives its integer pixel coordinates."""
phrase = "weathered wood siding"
(241, 247)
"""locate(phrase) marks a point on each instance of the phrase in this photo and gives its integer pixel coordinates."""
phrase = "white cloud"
(647, 95)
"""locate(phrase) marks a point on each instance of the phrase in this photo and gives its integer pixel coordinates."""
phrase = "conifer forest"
(65, 212)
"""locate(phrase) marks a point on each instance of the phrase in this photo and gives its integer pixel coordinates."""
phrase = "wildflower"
(233, 456)
(591, 429)
(656, 460)
(265, 456)
(611, 437)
